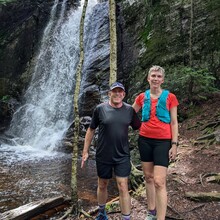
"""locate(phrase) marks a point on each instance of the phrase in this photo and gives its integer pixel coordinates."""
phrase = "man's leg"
(102, 192)
(124, 196)
(102, 195)
(160, 174)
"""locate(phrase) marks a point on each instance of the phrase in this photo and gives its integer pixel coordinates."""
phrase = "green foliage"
(113, 207)
(6, 1)
(190, 84)
(5, 98)
(146, 34)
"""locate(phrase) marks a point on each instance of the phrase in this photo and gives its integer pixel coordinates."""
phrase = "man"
(113, 119)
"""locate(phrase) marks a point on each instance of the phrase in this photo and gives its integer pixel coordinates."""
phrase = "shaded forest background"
(180, 35)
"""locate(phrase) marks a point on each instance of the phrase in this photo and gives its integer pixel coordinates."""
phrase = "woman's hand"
(173, 153)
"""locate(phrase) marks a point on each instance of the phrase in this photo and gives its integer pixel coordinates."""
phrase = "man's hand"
(85, 156)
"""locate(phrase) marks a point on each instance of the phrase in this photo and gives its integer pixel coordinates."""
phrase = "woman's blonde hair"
(156, 68)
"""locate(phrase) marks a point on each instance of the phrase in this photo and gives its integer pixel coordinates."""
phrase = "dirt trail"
(185, 174)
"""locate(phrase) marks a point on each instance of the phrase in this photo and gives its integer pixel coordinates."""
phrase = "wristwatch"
(174, 142)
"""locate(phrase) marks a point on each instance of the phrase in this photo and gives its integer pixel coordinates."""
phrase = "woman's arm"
(174, 132)
(136, 107)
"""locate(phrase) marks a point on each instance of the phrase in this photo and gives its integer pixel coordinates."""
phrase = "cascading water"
(41, 122)
(29, 169)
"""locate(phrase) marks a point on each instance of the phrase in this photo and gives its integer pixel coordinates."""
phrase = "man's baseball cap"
(117, 85)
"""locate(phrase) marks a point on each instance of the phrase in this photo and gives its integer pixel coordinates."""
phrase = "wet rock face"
(7, 108)
(95, 74)
(21, 27)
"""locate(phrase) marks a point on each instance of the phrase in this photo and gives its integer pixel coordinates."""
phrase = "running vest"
(162, 112)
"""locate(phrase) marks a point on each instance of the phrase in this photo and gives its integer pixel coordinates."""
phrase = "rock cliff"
(173, 34)
(21, 27)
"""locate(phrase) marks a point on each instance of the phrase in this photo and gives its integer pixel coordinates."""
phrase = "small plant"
(113, 207)
(5, 98)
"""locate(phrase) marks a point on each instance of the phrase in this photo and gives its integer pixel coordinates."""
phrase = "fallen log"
(32, 209)
(203, 196)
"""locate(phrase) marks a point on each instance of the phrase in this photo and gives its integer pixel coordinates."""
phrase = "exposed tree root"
(136, 178)
(210, 178)
(203, 196)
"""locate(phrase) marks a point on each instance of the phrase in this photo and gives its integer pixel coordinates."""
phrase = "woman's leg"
(160, 174)
(148, 169)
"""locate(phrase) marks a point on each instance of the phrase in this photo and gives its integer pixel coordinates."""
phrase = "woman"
(157, 140)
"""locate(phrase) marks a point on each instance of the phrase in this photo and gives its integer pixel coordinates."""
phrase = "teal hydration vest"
(162, 112)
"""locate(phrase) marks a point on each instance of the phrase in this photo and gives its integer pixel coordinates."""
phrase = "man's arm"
(136, 123)
(88, 140)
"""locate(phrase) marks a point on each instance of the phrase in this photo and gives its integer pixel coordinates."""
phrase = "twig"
(197, 207)
(85, 214)
(173, 218)
(113, 212)
(201, 177)
(68, 212)
(174, 210)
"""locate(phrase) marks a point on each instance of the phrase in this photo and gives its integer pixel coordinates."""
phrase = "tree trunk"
(74, 195)
(191, 35)
(113, 42)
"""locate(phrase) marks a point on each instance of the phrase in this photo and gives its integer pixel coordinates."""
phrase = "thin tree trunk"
(191, 35)
(113, 42)
(74, 195)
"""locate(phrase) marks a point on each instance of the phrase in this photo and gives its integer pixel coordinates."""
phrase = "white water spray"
(41, 123)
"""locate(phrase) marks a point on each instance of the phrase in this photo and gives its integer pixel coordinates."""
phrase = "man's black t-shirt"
(113, 146)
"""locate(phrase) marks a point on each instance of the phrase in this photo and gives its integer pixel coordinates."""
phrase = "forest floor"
(188, 174)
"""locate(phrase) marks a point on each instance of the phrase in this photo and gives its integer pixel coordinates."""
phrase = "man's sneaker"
(150, 217)
(101, 216)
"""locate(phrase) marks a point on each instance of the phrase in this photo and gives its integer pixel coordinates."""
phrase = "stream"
(27, 180)
(31, 166)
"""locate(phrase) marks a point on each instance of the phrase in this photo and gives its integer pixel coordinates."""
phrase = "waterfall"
(42, 121)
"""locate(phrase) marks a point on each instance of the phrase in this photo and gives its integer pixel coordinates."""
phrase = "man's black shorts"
(154, 150)
(105, 171)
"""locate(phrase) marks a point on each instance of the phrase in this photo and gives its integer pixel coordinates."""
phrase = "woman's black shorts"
(154, 150)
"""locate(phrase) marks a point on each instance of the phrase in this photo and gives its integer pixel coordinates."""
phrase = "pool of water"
(28, 176)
